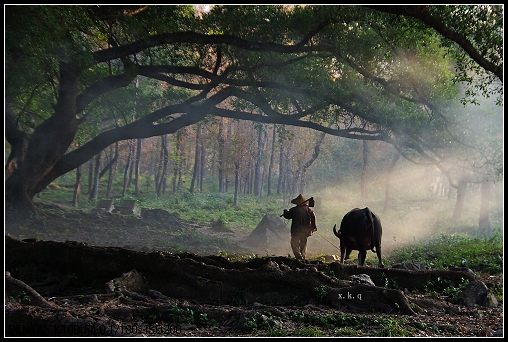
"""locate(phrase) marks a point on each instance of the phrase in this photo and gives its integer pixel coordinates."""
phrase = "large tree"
(72, 72)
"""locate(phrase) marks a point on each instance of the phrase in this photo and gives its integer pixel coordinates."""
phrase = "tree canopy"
(390, 73)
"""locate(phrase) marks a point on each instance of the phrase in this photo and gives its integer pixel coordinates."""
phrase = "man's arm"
(313, 220)
(287, 214)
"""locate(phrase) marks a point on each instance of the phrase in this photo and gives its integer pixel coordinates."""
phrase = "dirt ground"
(81, 274)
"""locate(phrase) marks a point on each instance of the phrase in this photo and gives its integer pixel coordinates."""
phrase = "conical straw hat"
(299, 200)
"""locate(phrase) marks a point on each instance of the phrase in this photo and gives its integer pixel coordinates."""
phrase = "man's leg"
(295, 246)
(303, 245)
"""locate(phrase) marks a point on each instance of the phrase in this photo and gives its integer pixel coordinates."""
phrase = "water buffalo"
(360, 230)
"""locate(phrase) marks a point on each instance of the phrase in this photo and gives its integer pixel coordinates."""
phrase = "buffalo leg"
(342, 253)
(362, 253)
(378, 252)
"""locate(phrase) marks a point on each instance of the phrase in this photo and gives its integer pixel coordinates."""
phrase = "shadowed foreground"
(73, 289)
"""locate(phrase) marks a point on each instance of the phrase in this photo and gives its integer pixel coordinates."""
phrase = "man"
(303, 224)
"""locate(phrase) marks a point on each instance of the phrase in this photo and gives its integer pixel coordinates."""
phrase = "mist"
(421, 207)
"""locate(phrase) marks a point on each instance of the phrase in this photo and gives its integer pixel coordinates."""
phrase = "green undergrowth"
(446, 244)
(482, 254)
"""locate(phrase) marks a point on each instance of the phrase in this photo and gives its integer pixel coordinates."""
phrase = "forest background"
(240, 105)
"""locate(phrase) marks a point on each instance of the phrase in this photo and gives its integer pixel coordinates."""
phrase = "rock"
(477, 293)
(132, 281)
(362, 278)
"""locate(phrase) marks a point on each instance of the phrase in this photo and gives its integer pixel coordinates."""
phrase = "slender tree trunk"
(181, 159)
(237, 183)
(272, 158)
(158, 174)
(363, 180)
(450, 191)
(288, 177)
(440, 186)
(164, 160)
(111, 174)
(95, 188)
(128, 166)
(175, 177)
(202, 168)
(197, 157)
(280, 181)
(221, 152)
(461, 196)
(499, 196)
(257, 164)
(388, 199)
(108, 166)
(230, 156)
(132, 162)
(77, 187)
(90, 176)
(248, 180)
(312, 159)
(138, 161)
(484, 222)
(165, 163)
(175, 183)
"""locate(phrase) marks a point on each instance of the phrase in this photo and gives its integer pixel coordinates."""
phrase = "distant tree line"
(82, 80)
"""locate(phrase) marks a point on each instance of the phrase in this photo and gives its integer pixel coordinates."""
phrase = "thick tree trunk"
(31, 160)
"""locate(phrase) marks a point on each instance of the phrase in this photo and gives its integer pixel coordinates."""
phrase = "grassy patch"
(481, 254)
(391, 327)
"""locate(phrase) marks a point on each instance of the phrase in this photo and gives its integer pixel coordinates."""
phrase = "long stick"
(328, 241)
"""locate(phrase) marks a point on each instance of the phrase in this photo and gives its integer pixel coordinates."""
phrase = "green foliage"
(346, 331)
(276, 332)
(497, 290)
(327, 321)
(238, 257)
(391, 327)
(309, 332)
(321, 292)
(22, 298)
(444, 287)
(329, 272)
(480, 254)
(260, 321)
(202, 208)
(368, 70)
(177, 314)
